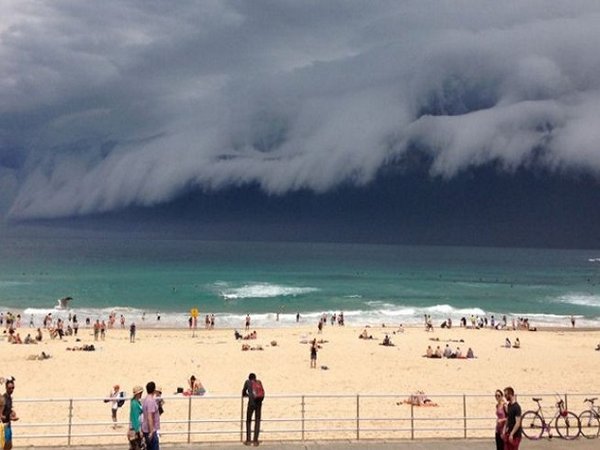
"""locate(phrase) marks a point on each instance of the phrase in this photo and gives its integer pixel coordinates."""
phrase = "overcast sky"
(112, 105)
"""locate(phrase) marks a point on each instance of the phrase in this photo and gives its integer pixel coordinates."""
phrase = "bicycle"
(590, 420)
(566, 423)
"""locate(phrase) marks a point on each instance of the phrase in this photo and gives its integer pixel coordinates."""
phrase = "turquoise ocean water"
(370, 283)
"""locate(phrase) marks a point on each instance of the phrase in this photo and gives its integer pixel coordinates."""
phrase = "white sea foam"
(263, 290)
(580, 299)
(391, 315)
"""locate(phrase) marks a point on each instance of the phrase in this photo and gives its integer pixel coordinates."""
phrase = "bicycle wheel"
(567, 426)
(532, 425)
(590, 424)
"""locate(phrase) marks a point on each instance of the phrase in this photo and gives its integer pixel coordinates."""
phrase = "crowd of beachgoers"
(57, 327)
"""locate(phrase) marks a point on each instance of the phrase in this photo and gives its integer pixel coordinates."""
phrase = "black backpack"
(121, 400)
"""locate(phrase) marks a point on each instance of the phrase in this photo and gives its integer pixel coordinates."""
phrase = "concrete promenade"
(448, 444)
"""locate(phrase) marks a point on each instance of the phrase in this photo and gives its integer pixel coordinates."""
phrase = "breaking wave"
(580, 300)
(263, 290)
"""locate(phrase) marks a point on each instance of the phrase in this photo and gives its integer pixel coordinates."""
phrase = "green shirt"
(135, 413)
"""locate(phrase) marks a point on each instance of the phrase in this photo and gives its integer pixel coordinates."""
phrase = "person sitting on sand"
(365, 335)
(250, 336)
(429, 352)
(387, 341)
(237, 335)
(29, 339)
(507, 343)
(470, 354)
(598, 348)
(196, 387)
(38, 336)
(447, 351)
(517, 343)
(438, 352)
(459, 353)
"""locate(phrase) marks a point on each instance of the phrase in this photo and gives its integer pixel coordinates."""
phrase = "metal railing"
(286, 417)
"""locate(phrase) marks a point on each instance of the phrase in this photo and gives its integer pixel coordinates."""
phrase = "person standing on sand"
(96, 329)
(253, 389)
(247, 322)
(512, 428)
(151, 421)
(8, 414)
(313, 354)
(573, 321)
(132, 332)
(500, 419)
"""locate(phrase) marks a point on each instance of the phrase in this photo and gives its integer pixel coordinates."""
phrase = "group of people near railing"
(144, 415)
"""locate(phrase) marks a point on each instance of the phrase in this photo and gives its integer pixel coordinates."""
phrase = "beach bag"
(258, 392)
(121, 400)
(1, 435)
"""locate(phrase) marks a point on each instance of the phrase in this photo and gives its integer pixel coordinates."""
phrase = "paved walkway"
(458, 444)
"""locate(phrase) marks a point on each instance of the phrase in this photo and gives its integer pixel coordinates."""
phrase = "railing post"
(302, 412)
(242, 420)
(465, 413)
(412, 420)
(357, 417)
(189, 439)
(70, 422)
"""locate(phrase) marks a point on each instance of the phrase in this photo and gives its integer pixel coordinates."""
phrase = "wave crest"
(580, 300)
(264, 290)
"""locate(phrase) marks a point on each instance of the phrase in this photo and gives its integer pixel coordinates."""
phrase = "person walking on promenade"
(8, 414)
(500, 419)
(151, 422)
(253, 389)
(512, 430)
(135, 414)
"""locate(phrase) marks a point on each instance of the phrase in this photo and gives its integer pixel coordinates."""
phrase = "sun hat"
(137, 390)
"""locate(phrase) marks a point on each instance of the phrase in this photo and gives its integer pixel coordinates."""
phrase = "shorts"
(7, 434)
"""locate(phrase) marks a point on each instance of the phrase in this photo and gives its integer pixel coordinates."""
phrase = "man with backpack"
(116, 399)
(253, 389)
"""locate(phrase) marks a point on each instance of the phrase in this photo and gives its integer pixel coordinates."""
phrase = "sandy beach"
(549, 361)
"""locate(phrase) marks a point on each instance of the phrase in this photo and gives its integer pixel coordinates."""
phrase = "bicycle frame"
(534, 423)
(589, 420)
(546, 425)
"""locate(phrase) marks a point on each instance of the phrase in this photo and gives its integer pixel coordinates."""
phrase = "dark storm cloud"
(105, 105)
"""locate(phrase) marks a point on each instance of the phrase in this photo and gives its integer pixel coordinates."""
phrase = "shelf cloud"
(105, 105)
